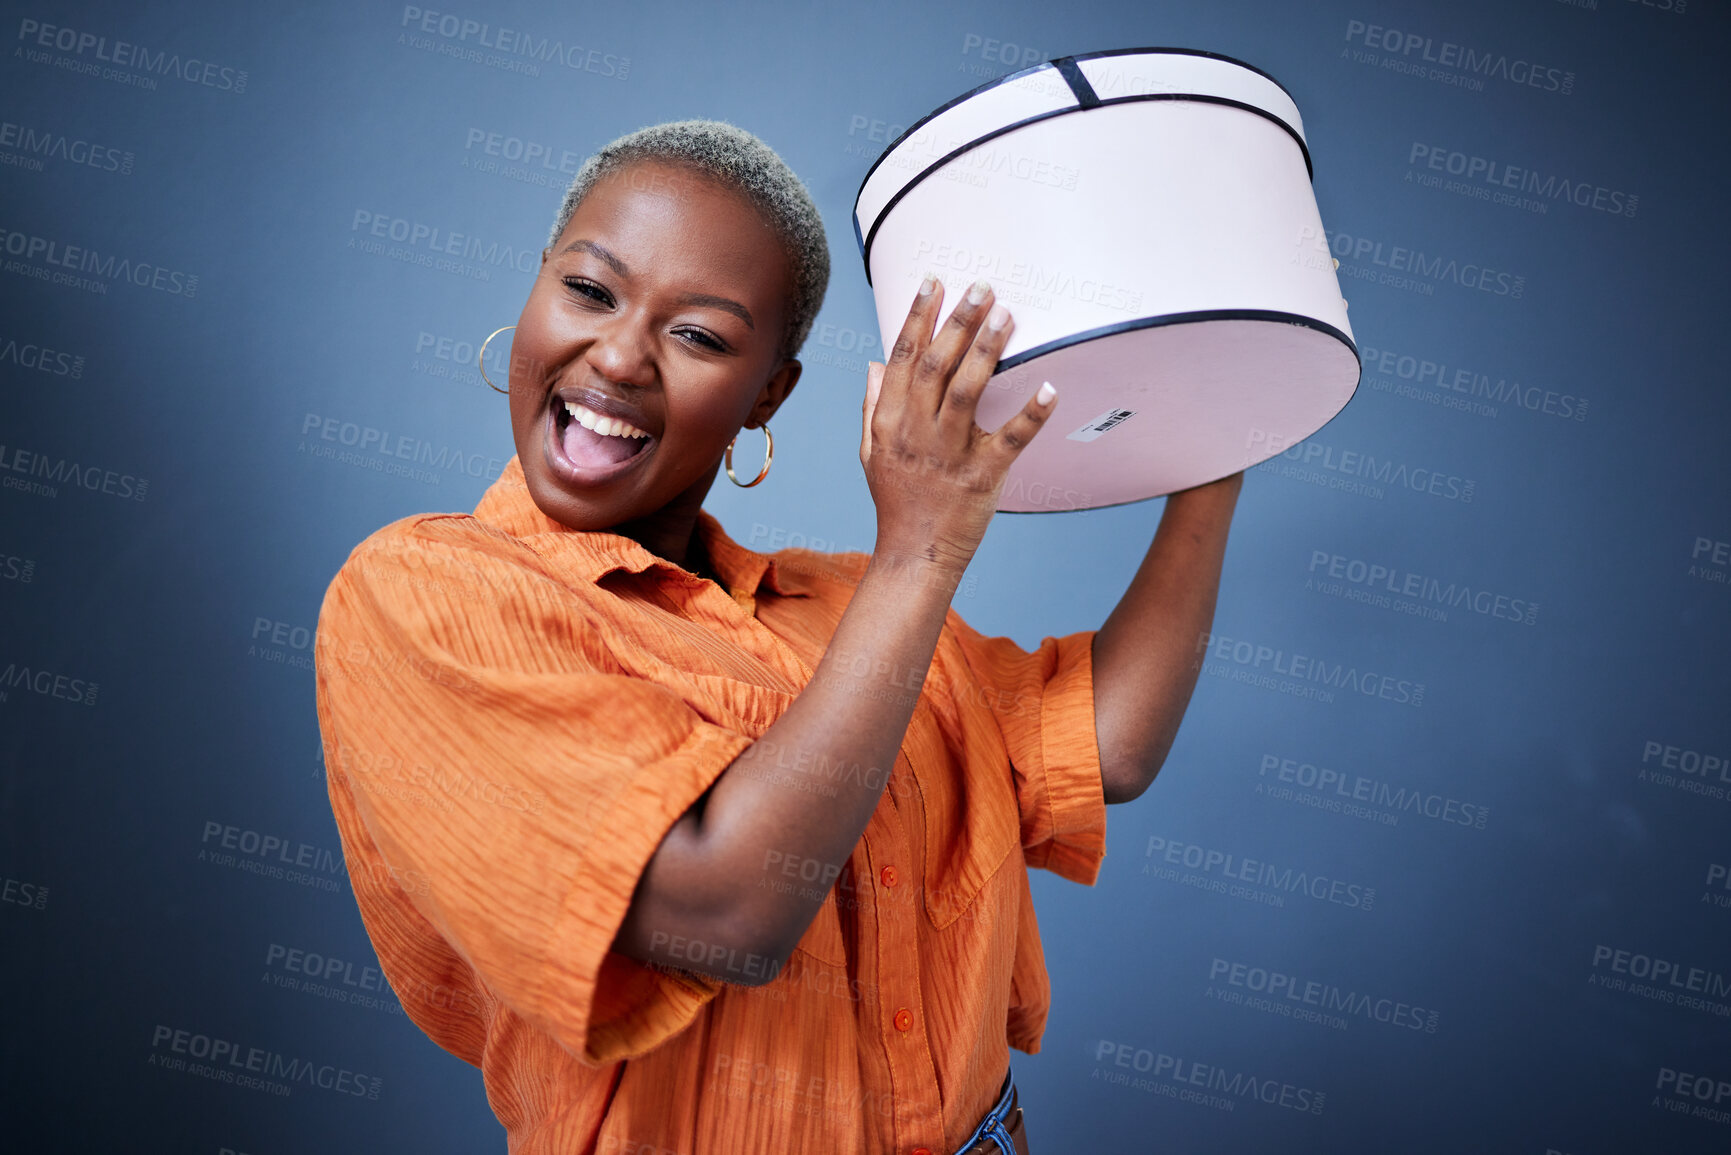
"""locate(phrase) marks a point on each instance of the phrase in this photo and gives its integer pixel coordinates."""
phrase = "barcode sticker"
(1101, 424)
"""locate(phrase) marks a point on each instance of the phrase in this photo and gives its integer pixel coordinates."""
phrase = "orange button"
(904, 1020)
(922, 1151)
(888, 875)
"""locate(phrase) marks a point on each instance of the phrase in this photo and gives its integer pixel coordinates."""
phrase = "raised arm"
(934, 477)
(1146, 656)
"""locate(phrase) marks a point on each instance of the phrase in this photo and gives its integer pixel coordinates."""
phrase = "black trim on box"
(934, 114)
(914, 182)
(1274, 316)
(1067, 67)
(1188, 52)
(1043, 66)
(1176, 319)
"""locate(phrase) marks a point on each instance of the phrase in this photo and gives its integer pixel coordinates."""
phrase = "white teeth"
(605, 426)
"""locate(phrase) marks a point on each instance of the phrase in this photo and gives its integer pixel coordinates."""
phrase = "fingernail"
(977, 292)
(997, 318)
(927, 285)
(1045, 393)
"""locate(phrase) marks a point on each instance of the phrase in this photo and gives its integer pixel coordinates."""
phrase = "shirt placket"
(901, 1012)
(891, 867)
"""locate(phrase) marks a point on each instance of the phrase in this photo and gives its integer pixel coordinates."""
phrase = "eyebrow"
(723, 303)
(613, 262)
(726, 304)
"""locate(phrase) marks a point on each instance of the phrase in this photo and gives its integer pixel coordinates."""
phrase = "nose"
(623, 351)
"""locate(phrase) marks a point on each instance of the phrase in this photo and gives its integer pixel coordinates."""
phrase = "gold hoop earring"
(481, 361)
(768, 457)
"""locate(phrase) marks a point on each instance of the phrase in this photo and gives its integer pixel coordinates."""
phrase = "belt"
(1000, 1132)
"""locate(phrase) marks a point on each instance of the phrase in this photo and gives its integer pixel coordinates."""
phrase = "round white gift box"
(1147, 217)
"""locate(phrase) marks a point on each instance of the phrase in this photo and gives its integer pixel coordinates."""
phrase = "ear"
(774, 392)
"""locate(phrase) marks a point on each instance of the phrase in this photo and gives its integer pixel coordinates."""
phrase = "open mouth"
(594, 444)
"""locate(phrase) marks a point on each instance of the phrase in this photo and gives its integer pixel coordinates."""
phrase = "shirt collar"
(508, 506)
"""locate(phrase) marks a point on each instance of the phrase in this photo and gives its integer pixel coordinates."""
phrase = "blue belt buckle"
(992, 1126)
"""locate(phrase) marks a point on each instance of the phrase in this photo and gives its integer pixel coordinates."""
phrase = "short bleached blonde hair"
(740, 161)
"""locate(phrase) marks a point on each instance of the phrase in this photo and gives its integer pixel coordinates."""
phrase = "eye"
(705, 340)
(589, 289)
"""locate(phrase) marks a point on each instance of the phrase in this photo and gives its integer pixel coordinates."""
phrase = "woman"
(692, 849)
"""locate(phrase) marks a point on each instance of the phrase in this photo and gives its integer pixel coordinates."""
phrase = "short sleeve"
(493, 751)
(1043, 704)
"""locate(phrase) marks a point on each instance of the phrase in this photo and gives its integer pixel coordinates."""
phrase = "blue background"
(190, 603)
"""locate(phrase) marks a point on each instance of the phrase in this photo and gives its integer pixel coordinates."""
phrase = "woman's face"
(662, 306)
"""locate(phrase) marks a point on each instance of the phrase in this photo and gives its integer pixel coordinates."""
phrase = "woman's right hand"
(935, 477)
(934, 474)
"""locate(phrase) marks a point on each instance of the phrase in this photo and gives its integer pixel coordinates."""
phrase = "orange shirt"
(514, 714)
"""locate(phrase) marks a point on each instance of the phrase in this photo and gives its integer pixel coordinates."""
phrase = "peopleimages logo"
(1404, 267)
(1354, 470)
(1701, 1096)
(518, 50)
(1300, 674)
(16, 891)
(1177, 1077)
(519, 151)
(429, 243)
(324, 976)
(268, 847)
(31, 147)
(1391, 587)
(441, 788)
(1327, 1000)
(994, 56)
(370, 446)
(877, 134)
(136, 64)
(1693, 771)
(1425, 56)
(1019, 282)
(17, 569)
(257, 1068)
(977, 164)
(1223, 865)
(1718, 879)
(531, 162)
(57, 471)
(1515, 185)
(281, 642)
(1436, 382)
(49, 259)
(1662, 980)
(1709, 559)
(41, 358)
(1327, 787)
(16, 677)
